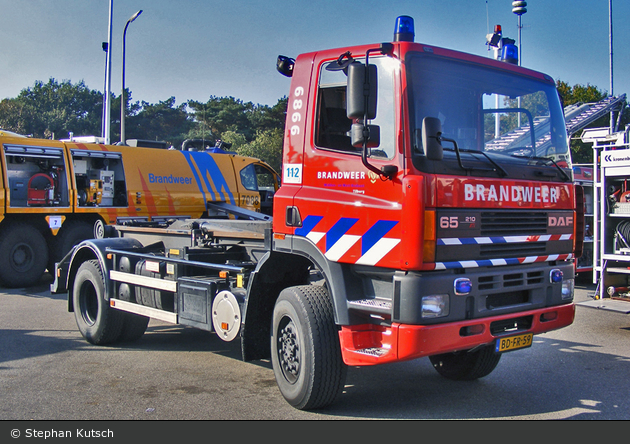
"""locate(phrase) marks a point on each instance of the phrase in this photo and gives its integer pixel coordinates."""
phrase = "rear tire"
(97, 321)
(305, 350)
(466, 366)
(23, 255)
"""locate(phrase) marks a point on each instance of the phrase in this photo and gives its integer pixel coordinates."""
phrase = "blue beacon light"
(404, 31)
(509, 52)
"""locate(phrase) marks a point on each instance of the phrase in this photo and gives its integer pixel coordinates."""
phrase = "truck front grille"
(506, 223)
(502, 234)
(512, 250)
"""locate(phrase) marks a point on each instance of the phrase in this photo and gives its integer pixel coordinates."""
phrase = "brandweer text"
(510, 193)
(341, 175)
(169, 179)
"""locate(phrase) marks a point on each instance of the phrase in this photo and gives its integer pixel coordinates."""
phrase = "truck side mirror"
(358, 135)
(285, 65)
(431, 138)
(357, 104)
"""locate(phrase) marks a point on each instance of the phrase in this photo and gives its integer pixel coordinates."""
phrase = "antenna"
(487, 20)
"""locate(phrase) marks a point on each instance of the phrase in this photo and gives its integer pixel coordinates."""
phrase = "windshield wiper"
(558, 167)
(545, 159)
(497, 168)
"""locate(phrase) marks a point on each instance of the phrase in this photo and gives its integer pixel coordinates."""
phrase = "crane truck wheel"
(99, 229)
(305, 351)
(466, 365)
(23, 255)
(72, 232)
(97, 321)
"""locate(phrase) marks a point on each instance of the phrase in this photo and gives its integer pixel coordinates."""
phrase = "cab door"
(349, 212)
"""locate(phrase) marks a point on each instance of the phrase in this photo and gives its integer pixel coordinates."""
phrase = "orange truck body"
(57, 193)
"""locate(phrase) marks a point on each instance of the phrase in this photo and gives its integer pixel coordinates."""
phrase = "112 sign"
(292, 173)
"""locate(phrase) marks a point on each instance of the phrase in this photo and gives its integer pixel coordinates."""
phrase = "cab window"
(333, 125)
(256, 178)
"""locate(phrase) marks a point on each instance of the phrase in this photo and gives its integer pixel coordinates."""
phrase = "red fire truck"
(427, 209)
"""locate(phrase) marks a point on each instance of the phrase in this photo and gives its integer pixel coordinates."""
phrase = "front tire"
(466, 365)
(97, 321)
(305, 350)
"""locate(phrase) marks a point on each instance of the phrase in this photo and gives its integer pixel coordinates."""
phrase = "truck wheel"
(134, 327)
(23, 255)
(466, 366)
(98, 323)
(71, 233)
(99, 229)
(305, 351)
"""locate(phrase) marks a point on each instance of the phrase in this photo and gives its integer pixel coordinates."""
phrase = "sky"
(195, 49)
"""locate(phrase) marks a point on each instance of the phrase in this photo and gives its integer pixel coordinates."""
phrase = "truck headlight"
(435, 306)
(567, 288)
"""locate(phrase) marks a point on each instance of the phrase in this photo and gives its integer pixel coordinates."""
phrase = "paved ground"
(48, 372)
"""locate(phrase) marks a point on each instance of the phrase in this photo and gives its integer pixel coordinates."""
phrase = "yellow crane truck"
(55, 194)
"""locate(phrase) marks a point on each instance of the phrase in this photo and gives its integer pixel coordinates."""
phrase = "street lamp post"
(105, 47)
(108, 78)
(123, 102)
(610, 36)
(519, 8)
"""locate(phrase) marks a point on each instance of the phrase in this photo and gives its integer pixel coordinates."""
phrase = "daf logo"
(561, 221)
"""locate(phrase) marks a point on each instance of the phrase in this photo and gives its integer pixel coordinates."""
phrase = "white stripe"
(144, 281)
(505, 239)
(451, 241)
(378, 251)
(498, 261)
(315, 236)
(483, 240)
(341, 247)
(468, 264)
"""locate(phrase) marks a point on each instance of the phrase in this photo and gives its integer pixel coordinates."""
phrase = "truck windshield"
(513, 120)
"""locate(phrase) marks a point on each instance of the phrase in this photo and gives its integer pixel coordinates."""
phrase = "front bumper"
(369, 344)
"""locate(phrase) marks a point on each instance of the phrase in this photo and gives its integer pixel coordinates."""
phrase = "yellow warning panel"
(55, 222)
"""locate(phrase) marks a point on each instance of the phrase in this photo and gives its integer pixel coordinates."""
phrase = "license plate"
(514, 342)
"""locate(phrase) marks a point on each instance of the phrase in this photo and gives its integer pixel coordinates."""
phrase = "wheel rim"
(22, 257)
(99, 230)
(289, 349)
(88, 303)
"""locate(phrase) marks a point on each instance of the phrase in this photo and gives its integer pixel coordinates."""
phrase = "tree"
(161, 121)
(221, 114)
(267, 146)
(53, 109)
(264, 118)
(578, 93)
(581, 152)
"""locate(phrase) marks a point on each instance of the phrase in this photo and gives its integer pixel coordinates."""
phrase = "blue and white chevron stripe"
(374, 244)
